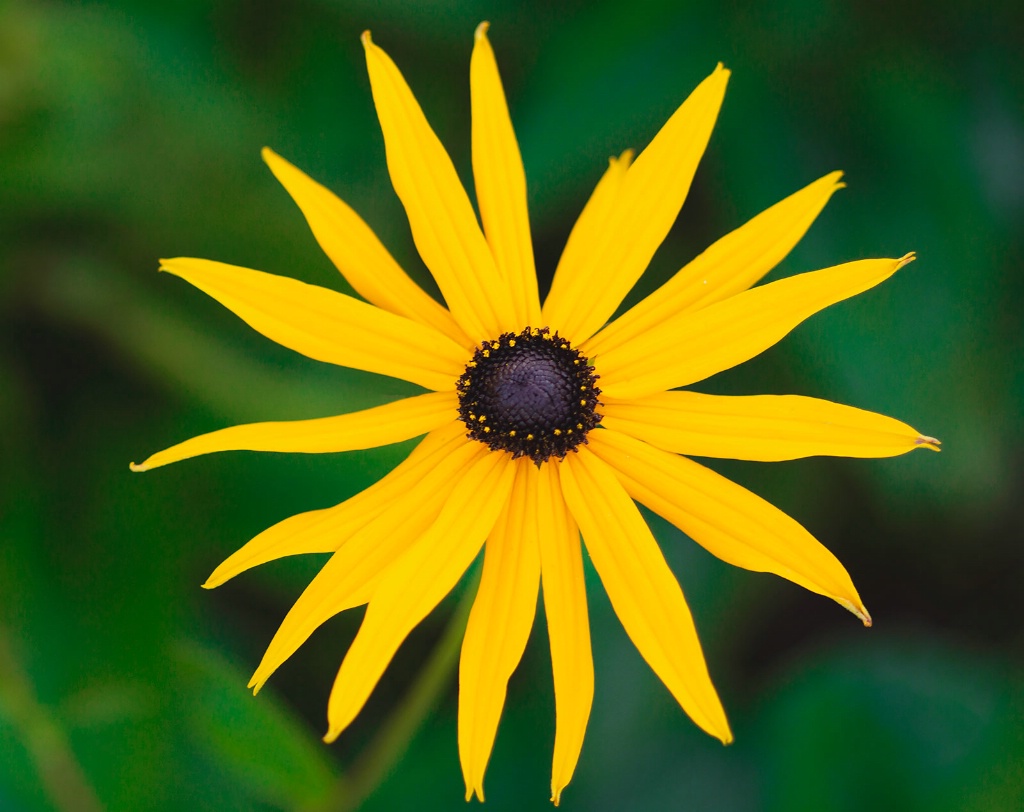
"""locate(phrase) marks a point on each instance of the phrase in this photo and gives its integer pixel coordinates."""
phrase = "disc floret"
(531, 394)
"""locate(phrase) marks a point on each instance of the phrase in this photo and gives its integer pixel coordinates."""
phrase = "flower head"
(541, 423)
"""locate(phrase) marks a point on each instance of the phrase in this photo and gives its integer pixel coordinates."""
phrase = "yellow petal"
(592, 278)
(326, 325)
(593, 221)
(358, 254)
(324, 531)
(768, 428)
(499, 625)
(728, 267)
(415, 583)
(641, 587)
(353, 574)
(369, 428)
(693, 346)
(444, 226)
(565, 605)
(501, 183)
(729, 521)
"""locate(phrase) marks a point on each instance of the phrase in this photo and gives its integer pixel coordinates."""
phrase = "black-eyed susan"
(541, 422)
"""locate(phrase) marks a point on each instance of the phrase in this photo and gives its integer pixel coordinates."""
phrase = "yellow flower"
(541, 422)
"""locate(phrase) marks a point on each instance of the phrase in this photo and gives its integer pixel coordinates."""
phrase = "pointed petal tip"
(481, 33)
(721, 729)
(723, 732)
(625, 158)
(170, 265)
(333, 732)
(367, 41)
(217, 578)
(259, 679)
(331, 736)
(473, 790)
(923, 440)
(859, 610)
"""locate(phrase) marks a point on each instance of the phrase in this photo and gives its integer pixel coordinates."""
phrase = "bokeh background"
(131, 130)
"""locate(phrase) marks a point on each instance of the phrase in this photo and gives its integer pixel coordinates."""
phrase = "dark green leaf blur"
(131, 130)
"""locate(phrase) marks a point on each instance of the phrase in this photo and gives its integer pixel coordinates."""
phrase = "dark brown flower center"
(531, 394)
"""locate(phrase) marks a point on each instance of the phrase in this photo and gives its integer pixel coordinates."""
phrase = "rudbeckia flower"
(542, 422)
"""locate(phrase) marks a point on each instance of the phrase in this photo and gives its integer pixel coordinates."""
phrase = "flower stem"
(61, 775)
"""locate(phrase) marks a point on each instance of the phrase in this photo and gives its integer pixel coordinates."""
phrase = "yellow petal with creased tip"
(501, 182)
(444, 226)
(415, 583)
(369, 428)
(643, 591)
(326, 325)
(351, 577)
(499, 625)
(728, 267)
(324, 531)
(728, 520)
(592, 278)
(767, 428)
(355, 250)
(693, 346)
(565, 607)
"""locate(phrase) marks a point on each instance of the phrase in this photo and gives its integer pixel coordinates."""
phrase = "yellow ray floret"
(643, 591)
(324, 531)
(327, 326)
(358, 254)
(728, 520)
(501, 182)
(693, 346)
(728, 267)
(351, 576)
(370, 428)
(417, 581)
(499, 625)
(565, 607)
(768, 428)
(593, 221)
(443, 223)
(593, 277)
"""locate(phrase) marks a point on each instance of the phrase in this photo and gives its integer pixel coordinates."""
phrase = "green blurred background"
(131, 130)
